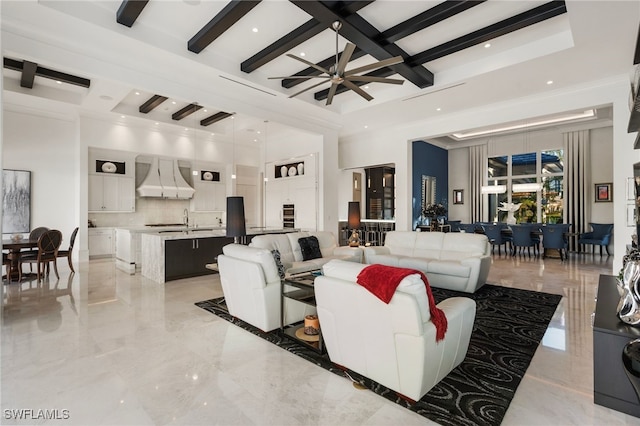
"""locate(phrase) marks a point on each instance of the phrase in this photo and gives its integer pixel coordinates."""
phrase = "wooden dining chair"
(67, 253)
(34, 235)
(48, 245)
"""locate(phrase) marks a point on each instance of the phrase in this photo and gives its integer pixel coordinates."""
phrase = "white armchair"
(251, 287)
(393, 344)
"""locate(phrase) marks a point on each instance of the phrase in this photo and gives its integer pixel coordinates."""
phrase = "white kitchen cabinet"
(209, 197)
(301, 192)
(109, 193)
(101, 242)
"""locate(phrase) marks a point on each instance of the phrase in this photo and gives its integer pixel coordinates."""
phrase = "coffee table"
(303, 292)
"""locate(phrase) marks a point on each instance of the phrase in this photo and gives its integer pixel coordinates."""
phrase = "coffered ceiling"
(219, 56)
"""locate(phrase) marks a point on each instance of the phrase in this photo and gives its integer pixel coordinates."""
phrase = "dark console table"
(611, 387)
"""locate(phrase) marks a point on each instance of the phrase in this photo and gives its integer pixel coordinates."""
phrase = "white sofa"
(393, 344)
(251, 286)
(452, 260)
(291, 254)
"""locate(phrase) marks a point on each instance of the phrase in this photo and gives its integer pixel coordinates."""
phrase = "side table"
(302, 292)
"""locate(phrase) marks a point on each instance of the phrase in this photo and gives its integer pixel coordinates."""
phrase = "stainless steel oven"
(288, 216)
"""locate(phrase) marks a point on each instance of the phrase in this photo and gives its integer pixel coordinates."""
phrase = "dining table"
(15, 248)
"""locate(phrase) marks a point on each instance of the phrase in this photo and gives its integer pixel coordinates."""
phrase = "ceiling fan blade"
(371, 79)
(311, 64)
(345, 57)
(379, 64)
(308, 88)
(358, 90)
(300, 77)
(332, 92)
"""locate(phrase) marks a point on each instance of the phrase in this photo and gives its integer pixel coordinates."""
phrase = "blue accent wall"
(429, 160)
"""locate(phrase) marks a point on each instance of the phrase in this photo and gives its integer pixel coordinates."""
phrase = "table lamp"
(235, 218)
(354, 223)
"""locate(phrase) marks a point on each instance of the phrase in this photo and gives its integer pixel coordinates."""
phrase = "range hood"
(165, 181)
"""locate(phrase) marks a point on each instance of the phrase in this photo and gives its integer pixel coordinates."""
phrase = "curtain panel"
(577, 188)
(478, 174)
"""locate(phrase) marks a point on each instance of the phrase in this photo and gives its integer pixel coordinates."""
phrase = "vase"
(629, 283)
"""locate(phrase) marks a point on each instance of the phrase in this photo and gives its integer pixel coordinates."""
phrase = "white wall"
(601, 171)
(459, 179)
(46, 146)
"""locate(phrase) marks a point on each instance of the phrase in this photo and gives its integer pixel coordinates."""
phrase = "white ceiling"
(594, 40)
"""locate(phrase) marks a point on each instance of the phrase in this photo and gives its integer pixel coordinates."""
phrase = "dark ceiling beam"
(12, 64)
(517, 22)
(419, 22)
(364, 35)
(530, 17)
(186, 111)
(426, 19)
(220, 23)
(152, 103)
(298, 36)
(215, 118)
(28, 74)
(129, 11)
(301, 34)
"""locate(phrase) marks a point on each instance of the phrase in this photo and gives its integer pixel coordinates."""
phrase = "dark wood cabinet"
(611, 387)
(186, 258)
(380, 195)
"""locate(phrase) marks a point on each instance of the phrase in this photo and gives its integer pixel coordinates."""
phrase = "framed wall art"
(16, 201)
(458, 196)
(604, 192)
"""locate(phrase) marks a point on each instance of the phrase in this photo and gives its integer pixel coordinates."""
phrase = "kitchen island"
(172, 255)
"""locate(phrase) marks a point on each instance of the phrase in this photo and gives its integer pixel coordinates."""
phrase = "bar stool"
(383, 228)
(371, 233)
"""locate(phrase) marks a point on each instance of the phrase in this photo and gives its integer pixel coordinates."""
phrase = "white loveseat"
(251, 286)
(453, 260)
(393, 344)
(291, 254)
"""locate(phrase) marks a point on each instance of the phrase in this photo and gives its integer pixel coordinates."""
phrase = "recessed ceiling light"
(254, 29)
(487, 45)
(438, 109)
(122, 116)
(258, 132)
(366, 87)
(302, 54)
(173, 102)
(186, 128)
(157, 123)
(550, 82)
(232, 117)
(255, 140)
(137, 93)
(366, 127)
(58, 81)
(204, 110)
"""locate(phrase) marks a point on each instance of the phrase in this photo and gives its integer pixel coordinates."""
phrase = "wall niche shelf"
(289, 170)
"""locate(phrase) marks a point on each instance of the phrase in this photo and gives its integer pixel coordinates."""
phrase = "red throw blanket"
(382, 281)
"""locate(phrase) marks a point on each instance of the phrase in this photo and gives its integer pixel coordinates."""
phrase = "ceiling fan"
(337, 74)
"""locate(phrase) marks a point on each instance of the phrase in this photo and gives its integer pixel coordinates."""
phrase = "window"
(533, 179)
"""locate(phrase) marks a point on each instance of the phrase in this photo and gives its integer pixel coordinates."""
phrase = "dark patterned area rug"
(507, 331)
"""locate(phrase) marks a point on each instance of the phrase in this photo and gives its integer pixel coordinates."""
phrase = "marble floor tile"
(119, 349)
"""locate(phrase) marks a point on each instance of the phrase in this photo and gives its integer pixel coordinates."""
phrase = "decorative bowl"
(109, 167)
(207, 176)
(293, 171)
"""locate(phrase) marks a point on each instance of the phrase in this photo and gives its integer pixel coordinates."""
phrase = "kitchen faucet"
(185, 218)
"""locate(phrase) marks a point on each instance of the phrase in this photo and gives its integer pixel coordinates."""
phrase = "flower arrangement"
(434, 210)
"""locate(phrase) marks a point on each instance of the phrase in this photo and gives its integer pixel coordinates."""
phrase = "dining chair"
(67, 253)
(34, 235)
(48, 245)
(522, 239)
(599, 236)
(6, 262)
(554, 237)
(494, 234)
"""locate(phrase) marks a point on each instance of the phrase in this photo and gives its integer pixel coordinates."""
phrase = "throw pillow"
(310, 248)
(279, 265)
